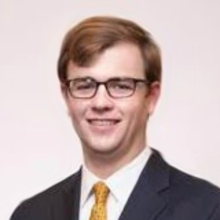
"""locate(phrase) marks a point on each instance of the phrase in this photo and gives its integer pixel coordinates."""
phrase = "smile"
(103, 122)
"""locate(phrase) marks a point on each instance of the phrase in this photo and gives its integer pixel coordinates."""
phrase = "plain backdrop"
(38, 146)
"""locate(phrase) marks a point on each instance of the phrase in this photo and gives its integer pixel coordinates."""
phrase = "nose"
(102, 102)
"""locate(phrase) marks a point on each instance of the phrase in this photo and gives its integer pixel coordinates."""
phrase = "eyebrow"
(109, 79)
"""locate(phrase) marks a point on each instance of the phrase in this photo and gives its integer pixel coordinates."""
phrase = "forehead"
(121, 60)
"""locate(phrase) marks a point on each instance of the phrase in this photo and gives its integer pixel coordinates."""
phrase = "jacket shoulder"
(193, 194)
(184, 182)
(39, 205)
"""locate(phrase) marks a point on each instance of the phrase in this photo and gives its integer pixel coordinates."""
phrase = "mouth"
(103, 122)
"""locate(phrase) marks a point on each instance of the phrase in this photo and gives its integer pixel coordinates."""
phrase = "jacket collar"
(150, 195)
(148, 199)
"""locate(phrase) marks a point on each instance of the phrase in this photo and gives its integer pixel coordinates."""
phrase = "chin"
(102, 149)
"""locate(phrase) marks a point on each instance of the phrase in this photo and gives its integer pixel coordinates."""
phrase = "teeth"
(102, 122)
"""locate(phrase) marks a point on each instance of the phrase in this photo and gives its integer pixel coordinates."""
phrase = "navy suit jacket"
(161, 193)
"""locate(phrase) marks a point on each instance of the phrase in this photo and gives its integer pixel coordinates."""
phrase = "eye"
(122, 85)
(83, 84)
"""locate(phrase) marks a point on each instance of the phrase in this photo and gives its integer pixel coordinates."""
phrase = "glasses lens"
(82, 88)
(121, 87)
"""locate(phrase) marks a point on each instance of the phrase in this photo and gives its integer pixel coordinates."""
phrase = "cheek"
(75, 110)
(135, 108)
(140, 113)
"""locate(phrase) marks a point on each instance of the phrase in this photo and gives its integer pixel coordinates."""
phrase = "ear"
(153, 96)
(64, 91)
(65, 96)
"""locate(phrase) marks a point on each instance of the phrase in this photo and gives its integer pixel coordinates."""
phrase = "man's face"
(107, 126)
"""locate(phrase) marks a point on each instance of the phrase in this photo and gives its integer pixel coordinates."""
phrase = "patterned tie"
(101, 192)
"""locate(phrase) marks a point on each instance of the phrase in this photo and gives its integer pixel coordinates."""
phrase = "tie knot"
(101, 192)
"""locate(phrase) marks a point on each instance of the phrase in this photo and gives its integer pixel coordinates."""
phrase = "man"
(110, 73)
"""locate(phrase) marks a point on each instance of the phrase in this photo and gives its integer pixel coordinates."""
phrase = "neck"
(103, 165)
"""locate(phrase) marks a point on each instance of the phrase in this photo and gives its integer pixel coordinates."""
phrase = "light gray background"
(37, 144)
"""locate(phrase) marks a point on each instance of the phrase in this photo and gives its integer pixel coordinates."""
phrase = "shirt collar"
(122, 177)
(127, 176)
(88, 180)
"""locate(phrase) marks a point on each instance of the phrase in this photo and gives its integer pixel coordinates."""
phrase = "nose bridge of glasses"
(102, 87)
(101, 100)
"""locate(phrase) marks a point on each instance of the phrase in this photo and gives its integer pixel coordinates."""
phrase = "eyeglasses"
(86, 88)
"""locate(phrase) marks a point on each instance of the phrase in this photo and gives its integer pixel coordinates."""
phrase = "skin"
(112, 131)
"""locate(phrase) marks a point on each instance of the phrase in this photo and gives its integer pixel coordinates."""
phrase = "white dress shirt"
(121, 184)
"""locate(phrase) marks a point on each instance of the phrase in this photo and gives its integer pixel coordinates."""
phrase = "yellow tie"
(101, 192)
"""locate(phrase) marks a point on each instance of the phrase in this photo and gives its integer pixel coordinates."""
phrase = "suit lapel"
(150, 195)
(76, 198)
(148, 199)
(66, 205)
